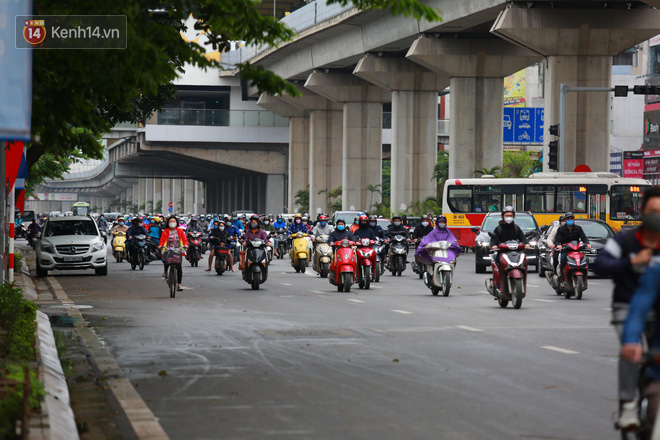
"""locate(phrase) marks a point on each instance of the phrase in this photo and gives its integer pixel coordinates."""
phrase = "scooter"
(344, 265)
(119, 246)
(322, 256)
(366, 262)
(299, 253)
(398, 255)
(416, 265)
(440, 275)
(139, 256)
(221, 256)
(379, 248)
(269, 247)
(194, 253)
(509, 282)
(281, 243)
(104, 235)
(575, 272)
(255, 269)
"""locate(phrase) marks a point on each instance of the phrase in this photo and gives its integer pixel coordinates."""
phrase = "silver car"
(71, 243)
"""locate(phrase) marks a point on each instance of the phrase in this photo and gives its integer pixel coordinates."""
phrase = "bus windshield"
(81, 209)
(626, 202)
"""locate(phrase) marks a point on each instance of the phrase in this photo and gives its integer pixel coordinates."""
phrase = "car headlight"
(98, 246)
(484, 243)
(46, 247)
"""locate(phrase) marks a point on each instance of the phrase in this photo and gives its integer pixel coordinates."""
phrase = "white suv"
(71, 243)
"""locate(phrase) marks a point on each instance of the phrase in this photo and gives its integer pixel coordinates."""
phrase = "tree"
(332, 198)
(518, 164)
(374, 189)
(302, 199)
(81, 94)
(488, 171)
(441, 171)
(159, 207)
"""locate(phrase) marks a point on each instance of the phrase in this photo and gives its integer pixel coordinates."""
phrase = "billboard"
(54, 197)
(523, 125)
(616, 163)
(514, 90)
(633, 164)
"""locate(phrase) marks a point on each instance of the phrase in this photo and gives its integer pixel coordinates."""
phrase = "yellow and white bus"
(599, 195)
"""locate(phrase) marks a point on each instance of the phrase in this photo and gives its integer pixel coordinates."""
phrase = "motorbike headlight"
(533, 243)
(325, 253)
(400, 251)
(47, 247)
(98, 246)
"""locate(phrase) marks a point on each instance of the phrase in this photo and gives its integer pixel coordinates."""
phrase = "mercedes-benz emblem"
(72, 250)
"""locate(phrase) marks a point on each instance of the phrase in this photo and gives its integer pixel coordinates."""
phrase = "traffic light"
(553, 148)
(646, 90)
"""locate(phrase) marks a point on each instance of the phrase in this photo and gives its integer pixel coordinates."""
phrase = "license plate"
(70, 259)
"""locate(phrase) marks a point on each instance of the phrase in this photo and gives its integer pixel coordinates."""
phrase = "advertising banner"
(514, 90)
(633, 164)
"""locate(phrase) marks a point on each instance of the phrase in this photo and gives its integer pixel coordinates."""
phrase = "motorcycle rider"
(119, 227)
(102, 223)
(363, 230)
(626, 257)
(219, 235)
(550, 242)
(237, 223)
(193, 226)
(280, 223)
(423, 229)
(135, 229)
(396, 228)
(322, 227)
(254, 230)
(340, 233)
(507, 230)
(439, 233)
(269, 228)
(298, 225)
(173, 237)
(356, 224)
(203, 222)
(373, 224)
(565, 234)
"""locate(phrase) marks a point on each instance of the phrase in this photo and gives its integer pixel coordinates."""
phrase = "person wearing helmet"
(322, 227)
(439, 233)
(298, 225)
(119, 227)
(254, 230)
(103, 223)
(373, 224)
(174, 238)
(203, 222)
(507, 230)
(340, 233)
(217, 236)
(270, 229)
(135, 230)
(423, 229)
(396, 228)
(155, 231)
(193, 226)
(280, 223)
(404, 221)
(356, 224)
(566, 234)
(236, 222)
(550, 241)
(363, 230)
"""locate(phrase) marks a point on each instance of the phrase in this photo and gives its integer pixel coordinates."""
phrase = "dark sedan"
(524, 220)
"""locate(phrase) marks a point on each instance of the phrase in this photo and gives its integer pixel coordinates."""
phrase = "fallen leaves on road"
(395, 360)
(162, 373)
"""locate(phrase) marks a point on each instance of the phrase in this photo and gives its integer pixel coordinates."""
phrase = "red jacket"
(164, 237)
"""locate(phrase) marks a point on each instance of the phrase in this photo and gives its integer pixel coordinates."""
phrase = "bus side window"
(539, 198)
(460, 198)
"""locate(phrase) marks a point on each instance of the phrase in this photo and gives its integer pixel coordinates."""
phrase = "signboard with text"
(633, 164)
(54, 197)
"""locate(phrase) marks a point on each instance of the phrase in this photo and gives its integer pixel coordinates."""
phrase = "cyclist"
(173, 237)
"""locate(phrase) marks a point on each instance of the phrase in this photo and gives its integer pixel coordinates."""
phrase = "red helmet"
(323, 217)
(364, 217)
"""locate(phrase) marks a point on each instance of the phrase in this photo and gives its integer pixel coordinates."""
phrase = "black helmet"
(568, 215)
(508, 209)
(562, 217)
(397, 216)
(373, 218)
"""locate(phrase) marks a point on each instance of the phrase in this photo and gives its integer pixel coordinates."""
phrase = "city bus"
(598, 195)
(81, 208)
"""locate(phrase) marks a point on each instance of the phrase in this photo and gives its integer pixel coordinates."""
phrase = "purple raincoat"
(438, 234)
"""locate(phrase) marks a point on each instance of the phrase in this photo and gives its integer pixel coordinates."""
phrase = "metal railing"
(220, 118)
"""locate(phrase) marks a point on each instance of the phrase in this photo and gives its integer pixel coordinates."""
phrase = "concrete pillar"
(578, 45)
(189, 196)
(141, 198)
(298, 159)
(414, 124)
(362, 147)
(167, 195)
(158, 195)
(177, 195)
(477, 68)
(149, 195)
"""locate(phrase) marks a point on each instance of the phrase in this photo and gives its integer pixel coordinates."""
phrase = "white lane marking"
(187, 288)
(287, 284)
(310, 274)
(403, 312)
(317, 291)
(375, 287)
(560, 350)
(287, 296)
(544, 300)
(608, 309)
(355, 300)
(533, 285)
(483, 291)
(470, 329)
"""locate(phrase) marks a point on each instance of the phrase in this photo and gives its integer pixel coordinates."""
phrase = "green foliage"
(11, 405)
(302, 199)
(397, 7)
(386, 167)
(18, 261)
(441, 171)
(374, 189)
(159, 207)
(17, 320)
(518, 164)
(332, 199)
(494, 171)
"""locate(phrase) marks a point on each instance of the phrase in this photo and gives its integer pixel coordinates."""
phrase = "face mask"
(562, 223)
(121, 223)
(151, 221)
(372, 224)
(323, 223)
(253, 225)
(651, 221)
(397, 223)
(222, 228)
(267, 222)
(298, 221)
(172, 225)
(425, 224)
(442, 225)
(215, 226)
(570, 222)
(234, 219)
(340, 227)
(508, 220)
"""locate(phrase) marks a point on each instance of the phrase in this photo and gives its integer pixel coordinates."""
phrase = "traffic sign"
(170, 205)
(523, 125)
(171, 209)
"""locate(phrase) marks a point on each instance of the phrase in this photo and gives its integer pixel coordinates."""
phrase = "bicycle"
(172, 258)
(646, 430)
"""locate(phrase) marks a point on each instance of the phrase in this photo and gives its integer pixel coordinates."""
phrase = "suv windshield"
(595, 229)
(75, 227)
(525, 222)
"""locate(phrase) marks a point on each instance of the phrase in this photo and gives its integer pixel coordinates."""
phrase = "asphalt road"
(299, 360)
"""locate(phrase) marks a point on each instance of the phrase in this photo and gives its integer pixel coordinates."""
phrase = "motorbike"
(255, 269)
(322, 256)
(20, 231)
(269, 248)
(139, 256)
(221, 257)
(398, 254)
(440, 275)
(379, 248)
(104, 234)
(194, 253)
(366, 262)
(299, 253)
(509, 282)
(119, 246)
(281, 243)
(575, 272)
(416, 265)
(343, 268)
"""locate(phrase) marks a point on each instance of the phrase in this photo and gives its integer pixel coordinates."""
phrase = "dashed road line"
(403, 312)
(470, 329)
(317, 291)
(287, 284)
(560, 350)
(483, 291)
(544, 300)
(609, 309)
(355, 300)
